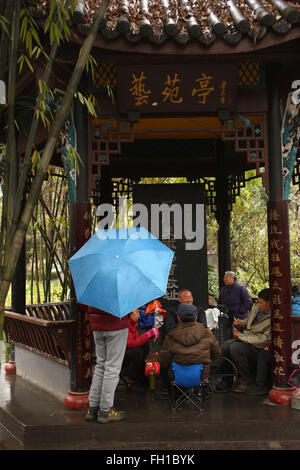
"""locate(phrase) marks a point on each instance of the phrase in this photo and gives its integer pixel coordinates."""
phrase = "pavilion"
(201, 90)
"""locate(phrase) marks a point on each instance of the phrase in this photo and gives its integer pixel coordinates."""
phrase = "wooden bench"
(45, 329)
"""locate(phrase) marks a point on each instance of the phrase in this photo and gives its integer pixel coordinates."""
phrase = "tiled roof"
(189, 20)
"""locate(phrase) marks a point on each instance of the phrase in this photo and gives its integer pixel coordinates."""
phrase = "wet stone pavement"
(31, 419)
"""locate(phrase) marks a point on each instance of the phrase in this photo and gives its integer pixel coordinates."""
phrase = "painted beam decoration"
(279, 268)
(177, 88)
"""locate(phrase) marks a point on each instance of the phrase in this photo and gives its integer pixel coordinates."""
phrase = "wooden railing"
(45, 329)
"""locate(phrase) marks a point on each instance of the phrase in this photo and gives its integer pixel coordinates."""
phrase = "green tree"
(249, 235)
(294, 225)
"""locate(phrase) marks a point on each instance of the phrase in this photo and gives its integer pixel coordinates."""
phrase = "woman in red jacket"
(136, 350)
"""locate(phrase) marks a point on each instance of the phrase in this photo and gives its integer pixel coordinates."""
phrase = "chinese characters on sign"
(204, 88)
(176, 88)
(172, 90)
(138, 90)
(280, 291)
(83, 347)
(172, 286)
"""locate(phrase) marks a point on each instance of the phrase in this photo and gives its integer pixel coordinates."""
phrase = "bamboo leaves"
(29, 36)
(3, 24)
(23, 217)
(89, 102)
(56, 22)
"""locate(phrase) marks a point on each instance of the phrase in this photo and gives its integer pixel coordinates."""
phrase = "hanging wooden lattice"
(235, 183)
(105, 140)
(210, 191)
(122, 187)
(250, 138)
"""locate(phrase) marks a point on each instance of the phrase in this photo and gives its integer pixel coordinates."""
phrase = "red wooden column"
(81, 370)
(279, 253)
(83, 347)
(80, 232)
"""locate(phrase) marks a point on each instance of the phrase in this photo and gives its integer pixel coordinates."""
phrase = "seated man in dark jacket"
(184, 297)
(189, 343)
(235, 296)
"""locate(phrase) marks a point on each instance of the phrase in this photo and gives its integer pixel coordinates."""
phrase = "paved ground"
(228, 422)
(31, 419)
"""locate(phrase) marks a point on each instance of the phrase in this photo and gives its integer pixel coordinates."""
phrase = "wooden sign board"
(189, 267)
(177, 88)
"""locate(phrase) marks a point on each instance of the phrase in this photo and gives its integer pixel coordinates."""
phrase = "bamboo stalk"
(49, 246)
(10, 155)
(10, 150)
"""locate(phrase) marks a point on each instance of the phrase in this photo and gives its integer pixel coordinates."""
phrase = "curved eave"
(245, 45)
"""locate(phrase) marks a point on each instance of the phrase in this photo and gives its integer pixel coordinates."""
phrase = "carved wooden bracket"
(250, 138)
(104, 140)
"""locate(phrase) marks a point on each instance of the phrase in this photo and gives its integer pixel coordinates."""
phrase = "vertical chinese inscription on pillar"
(83, 334)
(279, 270)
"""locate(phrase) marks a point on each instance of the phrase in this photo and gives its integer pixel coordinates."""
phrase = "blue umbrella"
(118, 270)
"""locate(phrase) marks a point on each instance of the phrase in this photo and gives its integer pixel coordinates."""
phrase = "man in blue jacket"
(235, 296)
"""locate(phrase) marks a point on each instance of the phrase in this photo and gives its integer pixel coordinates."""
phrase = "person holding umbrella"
(110, 337)
(115, 272)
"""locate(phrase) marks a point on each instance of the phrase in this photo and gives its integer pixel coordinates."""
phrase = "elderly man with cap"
(235, 296)
(185, 296)
(188, 343)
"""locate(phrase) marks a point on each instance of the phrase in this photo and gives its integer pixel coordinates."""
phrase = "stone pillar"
(278, 243)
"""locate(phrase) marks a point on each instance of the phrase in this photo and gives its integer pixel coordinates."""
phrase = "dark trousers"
(166, 377)
(264, 371)
(134, 362)
(244, 356)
